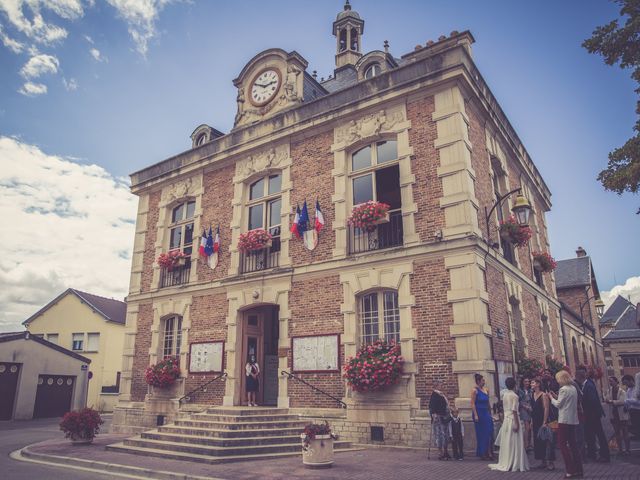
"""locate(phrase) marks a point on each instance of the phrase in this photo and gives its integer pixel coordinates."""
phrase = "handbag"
(545, 433)
(553, 425)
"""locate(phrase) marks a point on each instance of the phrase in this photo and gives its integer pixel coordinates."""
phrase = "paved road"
(17, 434)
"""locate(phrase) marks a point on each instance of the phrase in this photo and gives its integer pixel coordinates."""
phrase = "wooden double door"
(260, 332)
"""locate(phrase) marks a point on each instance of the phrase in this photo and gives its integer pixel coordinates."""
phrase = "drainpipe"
(564, 337)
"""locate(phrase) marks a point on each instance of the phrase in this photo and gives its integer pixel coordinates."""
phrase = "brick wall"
(498, 314)
(311, 179)
(427, 190)
(142, 345)
(315, 310)
(149, 255)
(216, 210)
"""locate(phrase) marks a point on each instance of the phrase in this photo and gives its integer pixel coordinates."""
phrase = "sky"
(91, 91)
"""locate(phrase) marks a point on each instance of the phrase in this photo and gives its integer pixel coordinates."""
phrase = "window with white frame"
(264, 206)
(93, 342)
(379, 317)
(77, 341)
(181, 227)
(52, 337)
(375, 174)
(171, 336)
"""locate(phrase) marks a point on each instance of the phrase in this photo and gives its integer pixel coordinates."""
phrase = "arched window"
(593, 360)
(202, 138)
(372, 70)
(343, 40)
(181, 228)
(379, 317)
(584, 353)
(171, 336)
(516, 317)
(354, 40)
(546, 334)
(576, 355)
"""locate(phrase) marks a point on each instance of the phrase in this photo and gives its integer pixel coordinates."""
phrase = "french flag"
(294, 225)
(216, 241)
(319, 217)
(203, 243)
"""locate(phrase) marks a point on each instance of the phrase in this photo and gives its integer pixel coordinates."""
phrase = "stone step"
(240, 425)
(241, 411)
(218, 451)
(191, 457)
(221, 442)
(224, 433)
(244, 418)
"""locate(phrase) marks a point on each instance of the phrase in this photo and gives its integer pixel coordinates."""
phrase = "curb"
(26, 455)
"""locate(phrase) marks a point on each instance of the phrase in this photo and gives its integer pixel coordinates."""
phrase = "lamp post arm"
(498, 202)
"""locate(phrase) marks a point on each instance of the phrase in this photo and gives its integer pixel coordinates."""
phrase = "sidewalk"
(373, 463)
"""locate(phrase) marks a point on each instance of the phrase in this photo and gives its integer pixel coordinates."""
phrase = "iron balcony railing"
(386, 235)
(178, 275)
(258, 260)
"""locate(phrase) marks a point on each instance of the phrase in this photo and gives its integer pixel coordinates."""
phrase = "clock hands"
(266, 85)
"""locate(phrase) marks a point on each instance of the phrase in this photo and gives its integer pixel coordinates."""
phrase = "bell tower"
(348, 29)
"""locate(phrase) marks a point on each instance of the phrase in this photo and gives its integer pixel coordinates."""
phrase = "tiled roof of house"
(626, 324)
(11, 336)
(617, 308)
(574, 272)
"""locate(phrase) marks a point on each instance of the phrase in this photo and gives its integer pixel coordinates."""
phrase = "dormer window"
(373, 70)
(201, 140)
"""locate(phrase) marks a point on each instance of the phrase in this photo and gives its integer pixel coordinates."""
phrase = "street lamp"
(599, 306)
(521, 210)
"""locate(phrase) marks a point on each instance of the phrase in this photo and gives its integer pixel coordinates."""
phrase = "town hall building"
(421, 132)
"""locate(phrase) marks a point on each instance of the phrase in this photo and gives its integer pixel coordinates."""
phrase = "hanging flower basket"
(317, 445)
(172, 259)
(366, 216)
(543, 262)
(164, 373)
(81, 426)
(256, 239)
(375, 367)
(514, 233)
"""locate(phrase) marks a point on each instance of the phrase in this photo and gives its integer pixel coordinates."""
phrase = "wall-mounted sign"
(318, 353)
(206, 357)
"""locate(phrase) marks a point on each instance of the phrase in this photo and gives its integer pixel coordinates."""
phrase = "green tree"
(621, 45)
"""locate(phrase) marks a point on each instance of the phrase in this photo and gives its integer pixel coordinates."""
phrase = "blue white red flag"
(216, 241)
(203, 243)
(294, 225)
(208, 249)
(319, 217)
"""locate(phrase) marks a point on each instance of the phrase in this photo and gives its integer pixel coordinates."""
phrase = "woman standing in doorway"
(482, 419)
(252, 370)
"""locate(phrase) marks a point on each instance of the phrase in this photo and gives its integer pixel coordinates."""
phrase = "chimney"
(581, 252)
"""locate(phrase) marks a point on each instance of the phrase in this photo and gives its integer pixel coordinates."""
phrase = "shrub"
(530, 367)
(312, 430)
(81, 424)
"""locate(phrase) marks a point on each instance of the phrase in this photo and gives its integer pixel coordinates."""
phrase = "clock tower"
(348, 29)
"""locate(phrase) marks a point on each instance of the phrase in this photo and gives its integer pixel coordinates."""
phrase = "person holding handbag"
(543, 447)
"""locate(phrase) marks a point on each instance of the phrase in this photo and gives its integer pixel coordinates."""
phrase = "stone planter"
(78, 440)
(384, 219)
(319, 453)
(172, 391)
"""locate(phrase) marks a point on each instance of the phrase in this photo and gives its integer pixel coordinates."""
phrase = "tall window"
(264, 206)
(379, 317)
(546, 334)
(584, 353)
(171, 336)
(576, 355)
(181, 228)
(502, 212)
(375, 174)
(516, 317)
(77, 341)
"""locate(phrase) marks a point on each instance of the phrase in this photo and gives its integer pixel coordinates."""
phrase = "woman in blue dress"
(482, 419)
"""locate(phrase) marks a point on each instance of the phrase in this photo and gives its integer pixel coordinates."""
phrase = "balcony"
(178, 275)
(386, 235)
(258, 260)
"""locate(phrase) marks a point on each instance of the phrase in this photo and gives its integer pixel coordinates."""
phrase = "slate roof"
(12, 336)
(614, 311)
(626, 323)
(574, 272)
(112, 310)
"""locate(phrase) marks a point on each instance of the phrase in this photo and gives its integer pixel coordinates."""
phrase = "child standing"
(457, 434)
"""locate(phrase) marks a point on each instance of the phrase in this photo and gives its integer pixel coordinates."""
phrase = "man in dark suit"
(593, 412)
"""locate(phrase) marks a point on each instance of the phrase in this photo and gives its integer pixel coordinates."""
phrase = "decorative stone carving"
(260, 162)
(291, 85)
(179, 190)
(368, 126)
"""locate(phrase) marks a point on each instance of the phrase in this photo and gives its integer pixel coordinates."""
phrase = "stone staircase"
(224, 435)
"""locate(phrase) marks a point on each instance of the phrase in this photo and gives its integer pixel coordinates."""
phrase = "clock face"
(264, 87)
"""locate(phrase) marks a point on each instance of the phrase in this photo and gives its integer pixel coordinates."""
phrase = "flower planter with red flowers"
(164, 373)
(317, 445)
(375, 367)
(593, 372)
(543, 262)
(172, 259)
(514, 233)
(81, 426)
(366, 216)
(253, 240)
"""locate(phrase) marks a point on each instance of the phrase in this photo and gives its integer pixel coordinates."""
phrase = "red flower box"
(367, 215)
(252, 240)
(375, 367)
(171, 259)
(513, 232)
(164, 373)
(544, 262)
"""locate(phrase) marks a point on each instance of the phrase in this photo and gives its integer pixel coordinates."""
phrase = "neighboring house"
(579, 296)
(92, 326)
(39, 379)
(620, 327)
(422, 133)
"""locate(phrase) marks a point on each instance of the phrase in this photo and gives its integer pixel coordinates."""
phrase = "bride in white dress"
(513, 456)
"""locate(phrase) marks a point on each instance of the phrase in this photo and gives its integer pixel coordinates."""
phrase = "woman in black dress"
(543, 445)
(252, 370)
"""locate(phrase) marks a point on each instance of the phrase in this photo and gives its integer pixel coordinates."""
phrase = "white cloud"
(71, 225)
(88, 39)
(97, 56)
(30, 89)
(13, 45)
(33, 25)
(39, 65)
(141, 16)
(70, 85)
(629, 290)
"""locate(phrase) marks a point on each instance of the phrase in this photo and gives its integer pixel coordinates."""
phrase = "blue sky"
(128, 81)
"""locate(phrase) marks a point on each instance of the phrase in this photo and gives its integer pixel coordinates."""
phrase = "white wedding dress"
(513, 456)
